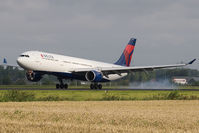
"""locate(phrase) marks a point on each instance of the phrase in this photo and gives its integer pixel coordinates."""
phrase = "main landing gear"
(61, 85)
(95, 86)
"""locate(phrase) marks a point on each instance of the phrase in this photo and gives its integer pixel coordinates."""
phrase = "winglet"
(191, 62)
(4, 61)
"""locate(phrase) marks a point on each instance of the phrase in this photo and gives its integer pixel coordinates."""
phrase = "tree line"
(14, 76)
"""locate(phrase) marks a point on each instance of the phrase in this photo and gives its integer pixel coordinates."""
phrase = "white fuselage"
(47, 62)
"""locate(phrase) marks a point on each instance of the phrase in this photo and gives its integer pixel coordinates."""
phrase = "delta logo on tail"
(125, 59)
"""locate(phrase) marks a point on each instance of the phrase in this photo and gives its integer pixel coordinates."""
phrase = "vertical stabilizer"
(5, 61)
(125, 59)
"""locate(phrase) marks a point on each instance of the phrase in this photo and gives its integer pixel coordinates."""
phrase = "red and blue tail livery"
(125, 59)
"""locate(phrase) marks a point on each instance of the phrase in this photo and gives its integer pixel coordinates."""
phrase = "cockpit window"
(24, 56)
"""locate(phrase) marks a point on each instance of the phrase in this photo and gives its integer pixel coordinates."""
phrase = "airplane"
(38, 63)
(5, 61)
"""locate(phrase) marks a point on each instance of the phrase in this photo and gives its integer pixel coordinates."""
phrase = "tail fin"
(125, 59)
(4, 61)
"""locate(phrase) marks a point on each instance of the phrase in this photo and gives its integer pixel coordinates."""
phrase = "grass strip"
(71, 95)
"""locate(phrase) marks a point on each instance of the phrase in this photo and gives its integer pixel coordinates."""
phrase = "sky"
(167, 31)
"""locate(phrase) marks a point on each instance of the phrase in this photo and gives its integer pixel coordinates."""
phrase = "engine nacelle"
(33, 76)
(94, 76)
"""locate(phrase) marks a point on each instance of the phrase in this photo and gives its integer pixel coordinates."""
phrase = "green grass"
(94, 95)
(188, 87)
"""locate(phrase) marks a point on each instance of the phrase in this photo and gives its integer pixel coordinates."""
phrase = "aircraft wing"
(119, 70)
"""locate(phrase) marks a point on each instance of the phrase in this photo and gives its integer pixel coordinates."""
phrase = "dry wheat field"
(114, 116)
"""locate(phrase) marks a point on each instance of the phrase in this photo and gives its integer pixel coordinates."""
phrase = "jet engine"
(94, 76)
(33, 76)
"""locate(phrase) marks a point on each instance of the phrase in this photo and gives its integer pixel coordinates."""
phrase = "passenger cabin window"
(25, 56)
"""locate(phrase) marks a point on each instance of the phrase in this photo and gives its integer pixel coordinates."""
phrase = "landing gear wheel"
(96, 86)
(62, 86)
(57, 86)
(91, 86)
(99, 86)
(66, 86)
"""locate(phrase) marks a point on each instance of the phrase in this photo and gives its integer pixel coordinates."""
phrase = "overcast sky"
(167, 31)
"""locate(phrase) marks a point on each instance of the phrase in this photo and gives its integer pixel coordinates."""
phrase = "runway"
(118, 89)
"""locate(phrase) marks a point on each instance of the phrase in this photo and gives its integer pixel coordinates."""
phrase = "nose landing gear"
(61, 85)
